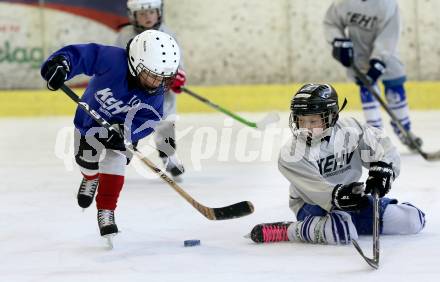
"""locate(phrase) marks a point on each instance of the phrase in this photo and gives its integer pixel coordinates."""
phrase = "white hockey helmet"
(138, 5)
(154, 53)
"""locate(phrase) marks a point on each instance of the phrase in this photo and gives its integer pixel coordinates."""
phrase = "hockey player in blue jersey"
(323, 162)
(145, 15)
(127, 89)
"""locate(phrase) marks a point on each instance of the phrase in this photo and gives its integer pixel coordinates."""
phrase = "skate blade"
(247, 236)
(109, 240)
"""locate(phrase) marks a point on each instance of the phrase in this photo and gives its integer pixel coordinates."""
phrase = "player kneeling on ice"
(323, 162)
(127, 89)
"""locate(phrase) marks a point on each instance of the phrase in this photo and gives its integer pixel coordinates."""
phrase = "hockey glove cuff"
(377, 68)
(114, 140)
(178, 82)
(55, 72)
(343, 51)
(381, 177)
(349, 197)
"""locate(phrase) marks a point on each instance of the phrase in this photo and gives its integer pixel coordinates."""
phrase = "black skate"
(173, 165)
(106, 222)
(86, 192)
(270, 232)
(107, 225)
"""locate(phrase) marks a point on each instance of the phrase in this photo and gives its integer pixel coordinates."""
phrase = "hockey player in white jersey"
(323, 162)
(366, 33)
(145, 15)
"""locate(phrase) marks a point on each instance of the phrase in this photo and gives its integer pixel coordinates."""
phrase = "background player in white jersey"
(366, 33)
(323, 162)
(145, 15)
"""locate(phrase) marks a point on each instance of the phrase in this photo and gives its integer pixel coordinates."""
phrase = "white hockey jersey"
(313, 171)
(374, 28)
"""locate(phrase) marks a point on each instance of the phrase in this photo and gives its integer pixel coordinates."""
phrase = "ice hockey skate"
(107, 225)
(173, 166)
(269, 232)
(86, 192)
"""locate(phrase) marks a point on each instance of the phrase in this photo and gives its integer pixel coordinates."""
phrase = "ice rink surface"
(44, 235)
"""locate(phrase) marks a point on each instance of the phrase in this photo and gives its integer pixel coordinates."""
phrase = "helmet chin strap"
(336, 117)
(343, 105)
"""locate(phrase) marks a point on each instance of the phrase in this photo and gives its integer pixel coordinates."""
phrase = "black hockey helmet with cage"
(313, 99)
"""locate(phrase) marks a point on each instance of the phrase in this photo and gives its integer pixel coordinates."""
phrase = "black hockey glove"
(380, 176)
(349, 197)
(114, 141)
(377, 68)
(343, 51)
(55, 72)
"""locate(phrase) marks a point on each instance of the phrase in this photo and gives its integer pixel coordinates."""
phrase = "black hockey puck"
(191, 243)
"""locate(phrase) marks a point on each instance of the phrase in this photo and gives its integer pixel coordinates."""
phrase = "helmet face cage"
(328, 119)
(153, 58)
(151, 80)
(311, 100)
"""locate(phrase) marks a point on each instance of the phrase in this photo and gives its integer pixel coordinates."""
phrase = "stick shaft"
(376, 226)
(206, 211)
(396, 121)
(219, 108)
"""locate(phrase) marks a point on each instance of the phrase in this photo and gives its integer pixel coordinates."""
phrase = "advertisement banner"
(31, 30)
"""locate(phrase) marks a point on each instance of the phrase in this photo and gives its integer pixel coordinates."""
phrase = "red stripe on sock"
(90, 177)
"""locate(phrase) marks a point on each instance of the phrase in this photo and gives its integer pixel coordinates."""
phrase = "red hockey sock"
(90, 177)
(110, 186)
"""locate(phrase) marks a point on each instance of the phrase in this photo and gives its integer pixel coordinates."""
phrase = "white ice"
(44, 236)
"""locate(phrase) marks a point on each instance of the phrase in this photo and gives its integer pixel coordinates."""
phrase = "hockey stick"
(427, 156)
(374, 261)
(229, 212)
(261, 125)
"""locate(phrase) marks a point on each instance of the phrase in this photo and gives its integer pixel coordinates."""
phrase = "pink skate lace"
(274, 233)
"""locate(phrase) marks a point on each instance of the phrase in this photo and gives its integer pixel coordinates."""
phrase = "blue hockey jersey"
(111, 91)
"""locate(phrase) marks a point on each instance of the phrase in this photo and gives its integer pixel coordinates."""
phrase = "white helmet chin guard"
(154, 52)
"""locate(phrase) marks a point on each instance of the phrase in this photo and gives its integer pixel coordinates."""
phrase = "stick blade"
(435, 156)
(234, 211)
(270, 118)
(373, 263)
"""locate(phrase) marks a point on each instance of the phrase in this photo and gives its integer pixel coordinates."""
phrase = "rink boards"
(247, 98)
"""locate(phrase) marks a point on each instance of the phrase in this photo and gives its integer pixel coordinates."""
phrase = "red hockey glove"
(178, 82)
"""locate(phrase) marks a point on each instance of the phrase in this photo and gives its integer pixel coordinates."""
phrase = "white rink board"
(45, 237)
